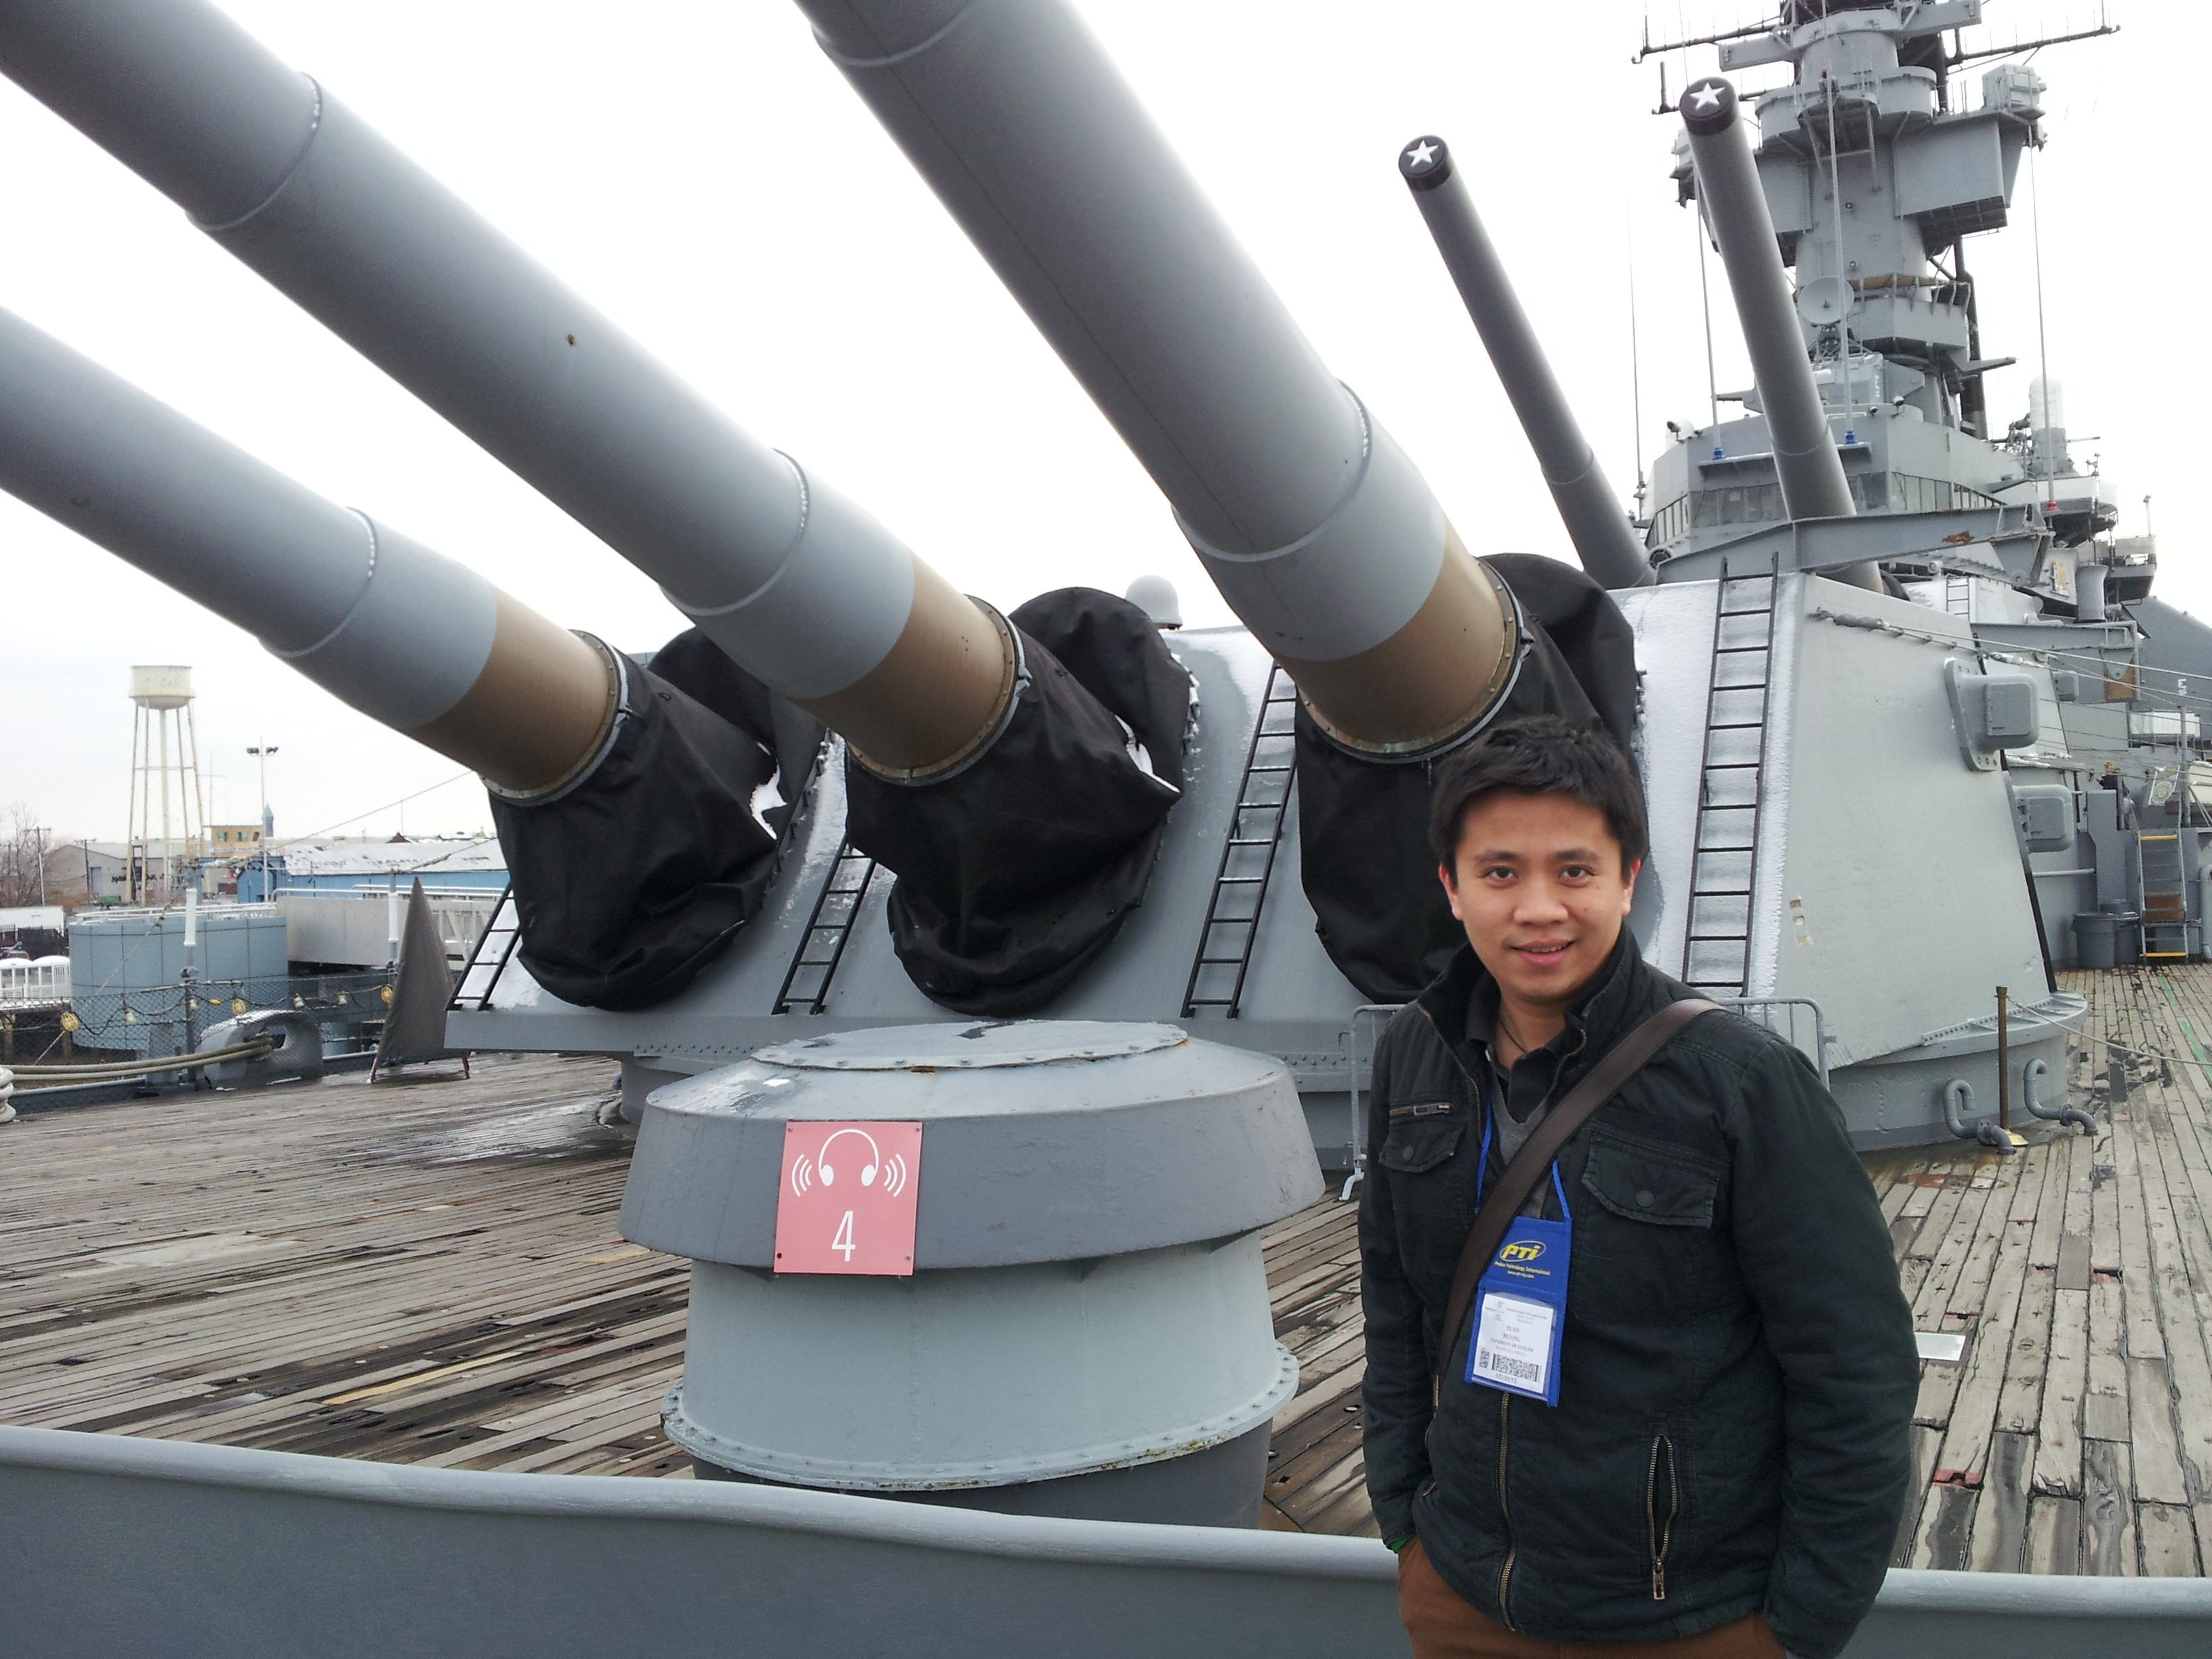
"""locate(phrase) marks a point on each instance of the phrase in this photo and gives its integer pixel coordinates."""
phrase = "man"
(1733, 1367)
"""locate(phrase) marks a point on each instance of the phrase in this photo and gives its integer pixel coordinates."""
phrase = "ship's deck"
(427, 1270)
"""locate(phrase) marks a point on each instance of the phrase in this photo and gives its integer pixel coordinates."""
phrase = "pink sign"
(848, 1199)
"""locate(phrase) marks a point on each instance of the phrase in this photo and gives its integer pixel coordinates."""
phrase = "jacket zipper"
(1505, 1509)
(1661, 1531)
(1505, 1400)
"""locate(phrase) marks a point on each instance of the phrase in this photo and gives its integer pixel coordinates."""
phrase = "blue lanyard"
(1492, 1106)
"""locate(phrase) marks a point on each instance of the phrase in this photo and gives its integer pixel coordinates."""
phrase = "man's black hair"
(1539, 755)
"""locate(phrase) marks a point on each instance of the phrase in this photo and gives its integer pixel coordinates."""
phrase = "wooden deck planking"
(429, 1272)
(414, 1271)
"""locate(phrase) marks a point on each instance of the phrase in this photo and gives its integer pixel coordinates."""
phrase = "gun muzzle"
(403, 634)
(797, 585)
(1311, 521)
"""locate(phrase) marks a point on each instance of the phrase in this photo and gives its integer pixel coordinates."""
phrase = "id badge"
(1521, 1311)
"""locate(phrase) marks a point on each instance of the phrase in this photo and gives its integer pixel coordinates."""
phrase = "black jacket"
(1738, 1371)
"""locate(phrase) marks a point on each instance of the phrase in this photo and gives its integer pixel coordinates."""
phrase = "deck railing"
(40, 982)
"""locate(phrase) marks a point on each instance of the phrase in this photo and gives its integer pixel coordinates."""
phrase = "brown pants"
(1442, 1626)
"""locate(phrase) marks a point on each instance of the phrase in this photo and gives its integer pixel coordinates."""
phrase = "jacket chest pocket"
(1430, 1158)
(1640, 1184)
(1652, 1249)
(1421, 1134)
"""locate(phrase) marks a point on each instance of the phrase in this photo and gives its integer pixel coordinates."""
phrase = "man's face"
(1539, 884)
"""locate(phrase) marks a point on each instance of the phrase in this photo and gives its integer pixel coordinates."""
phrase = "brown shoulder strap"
(1622, 1061)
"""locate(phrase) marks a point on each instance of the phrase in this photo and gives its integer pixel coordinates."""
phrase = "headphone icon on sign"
(893, 1170)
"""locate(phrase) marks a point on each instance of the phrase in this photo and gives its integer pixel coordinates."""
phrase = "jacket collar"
(1598, 1016)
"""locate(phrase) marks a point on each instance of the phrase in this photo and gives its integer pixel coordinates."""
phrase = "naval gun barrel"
(1607, 546)
(796, 584)
(1735, 202)
(402, 633)
(1309, 517)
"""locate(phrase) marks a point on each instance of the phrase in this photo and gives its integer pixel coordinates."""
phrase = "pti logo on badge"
(848, 1199)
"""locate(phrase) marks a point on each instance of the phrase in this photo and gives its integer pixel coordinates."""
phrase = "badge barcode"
(1498, 1364)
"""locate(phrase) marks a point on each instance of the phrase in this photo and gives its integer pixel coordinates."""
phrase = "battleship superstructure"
(1876, 163)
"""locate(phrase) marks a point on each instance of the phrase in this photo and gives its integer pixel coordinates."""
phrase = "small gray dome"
(1156, 597)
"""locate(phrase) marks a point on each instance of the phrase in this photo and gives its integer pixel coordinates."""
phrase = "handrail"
(1371, 1011)
(1820, 1037)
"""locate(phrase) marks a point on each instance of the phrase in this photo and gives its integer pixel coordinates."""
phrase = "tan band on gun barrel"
(540, 710)
(939, 693)
(1430, 680)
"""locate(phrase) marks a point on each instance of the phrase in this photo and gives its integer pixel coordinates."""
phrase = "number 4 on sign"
(849, 1201)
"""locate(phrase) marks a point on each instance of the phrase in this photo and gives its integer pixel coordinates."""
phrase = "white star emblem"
(1422, 153)
(1706, 97)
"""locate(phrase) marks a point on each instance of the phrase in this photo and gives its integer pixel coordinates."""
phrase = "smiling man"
(1665, 1408)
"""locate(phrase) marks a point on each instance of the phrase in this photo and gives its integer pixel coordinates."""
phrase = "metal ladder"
(472, 991)
(821, 946)
(1256, 830)
(1716, 943)
(2162, 895)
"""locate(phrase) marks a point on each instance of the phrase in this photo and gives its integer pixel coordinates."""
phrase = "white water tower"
(169, 818)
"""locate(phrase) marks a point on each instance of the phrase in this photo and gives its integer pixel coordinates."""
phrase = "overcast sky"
(702, 174)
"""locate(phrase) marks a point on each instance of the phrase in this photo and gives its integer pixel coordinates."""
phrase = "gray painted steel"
(989, 1377)
(126, 1548)
(1994, 541)
(797, 585)
(1087, 1295)
(298, 1052)
(396, 630)
(1310, 520)
(1859, 691)
(2089, 601)
(1213, 1487)
(1608, 548)
(1735, 211)
(1175, 1141)
(1156, 597)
